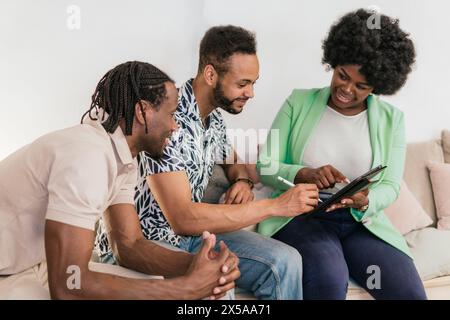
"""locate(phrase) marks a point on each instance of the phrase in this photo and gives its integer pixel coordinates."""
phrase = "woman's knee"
(325, 274)
(325, 281)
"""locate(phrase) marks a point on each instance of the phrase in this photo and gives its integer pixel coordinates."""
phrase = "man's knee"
(288, 260)
(288, 269)
(283, 259)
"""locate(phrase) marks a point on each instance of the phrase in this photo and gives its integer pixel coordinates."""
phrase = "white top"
(341, 141)
(70, 176)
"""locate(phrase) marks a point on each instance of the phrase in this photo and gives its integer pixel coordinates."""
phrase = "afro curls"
(384, 52)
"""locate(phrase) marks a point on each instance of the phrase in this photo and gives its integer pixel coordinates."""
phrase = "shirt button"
(130, 166)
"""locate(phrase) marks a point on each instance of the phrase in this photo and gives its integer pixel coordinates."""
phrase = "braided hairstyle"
(122, 87)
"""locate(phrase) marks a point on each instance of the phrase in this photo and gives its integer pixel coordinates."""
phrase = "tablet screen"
(350, 189)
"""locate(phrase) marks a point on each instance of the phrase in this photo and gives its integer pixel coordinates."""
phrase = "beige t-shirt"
(70, 176)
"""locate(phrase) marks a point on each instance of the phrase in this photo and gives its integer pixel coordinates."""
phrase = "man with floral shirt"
(169, 190)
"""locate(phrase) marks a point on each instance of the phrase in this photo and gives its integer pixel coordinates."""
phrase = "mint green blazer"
(283, 153)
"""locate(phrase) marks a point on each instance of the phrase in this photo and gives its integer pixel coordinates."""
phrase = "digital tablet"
(350, 189)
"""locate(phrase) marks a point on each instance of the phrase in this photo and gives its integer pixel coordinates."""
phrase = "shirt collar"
(117, 137)
(121, 144)
(188, 105)
(188, 102)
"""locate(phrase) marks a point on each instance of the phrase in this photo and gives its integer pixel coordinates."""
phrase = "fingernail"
(212, 298)
(222, 280)
(216, 291)
(205, 235)
(225, 269)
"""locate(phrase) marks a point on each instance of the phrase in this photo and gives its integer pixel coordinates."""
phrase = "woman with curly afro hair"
(331, 135)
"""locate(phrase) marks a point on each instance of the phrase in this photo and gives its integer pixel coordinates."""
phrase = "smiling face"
(349, 90)
(234, 88)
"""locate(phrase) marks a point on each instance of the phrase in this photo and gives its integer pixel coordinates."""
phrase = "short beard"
(223, 102)
(155, 154)
(151, 150)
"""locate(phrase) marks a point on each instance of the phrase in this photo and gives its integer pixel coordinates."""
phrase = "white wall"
(289, 35)
(48, 72)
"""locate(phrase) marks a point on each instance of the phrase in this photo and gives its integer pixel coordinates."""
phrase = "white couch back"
(416, 174)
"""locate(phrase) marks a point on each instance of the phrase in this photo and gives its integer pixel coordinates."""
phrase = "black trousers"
(335, 247)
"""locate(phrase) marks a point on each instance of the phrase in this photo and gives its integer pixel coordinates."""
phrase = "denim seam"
(274, 271)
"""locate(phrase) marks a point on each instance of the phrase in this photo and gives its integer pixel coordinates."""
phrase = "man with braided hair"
(53, 191)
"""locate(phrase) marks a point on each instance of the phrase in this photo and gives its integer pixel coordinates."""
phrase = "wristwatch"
(248, 180)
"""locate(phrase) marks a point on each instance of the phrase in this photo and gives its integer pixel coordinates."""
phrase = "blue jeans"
(269, 268)
(334, 247)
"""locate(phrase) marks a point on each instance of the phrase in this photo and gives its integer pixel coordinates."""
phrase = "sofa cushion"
(446, 145)
(406, 213)
(218, 184)
(430, 249)
(416, 174)
(440, 180)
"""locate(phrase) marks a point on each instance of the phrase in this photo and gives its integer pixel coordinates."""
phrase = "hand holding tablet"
(360, 183)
